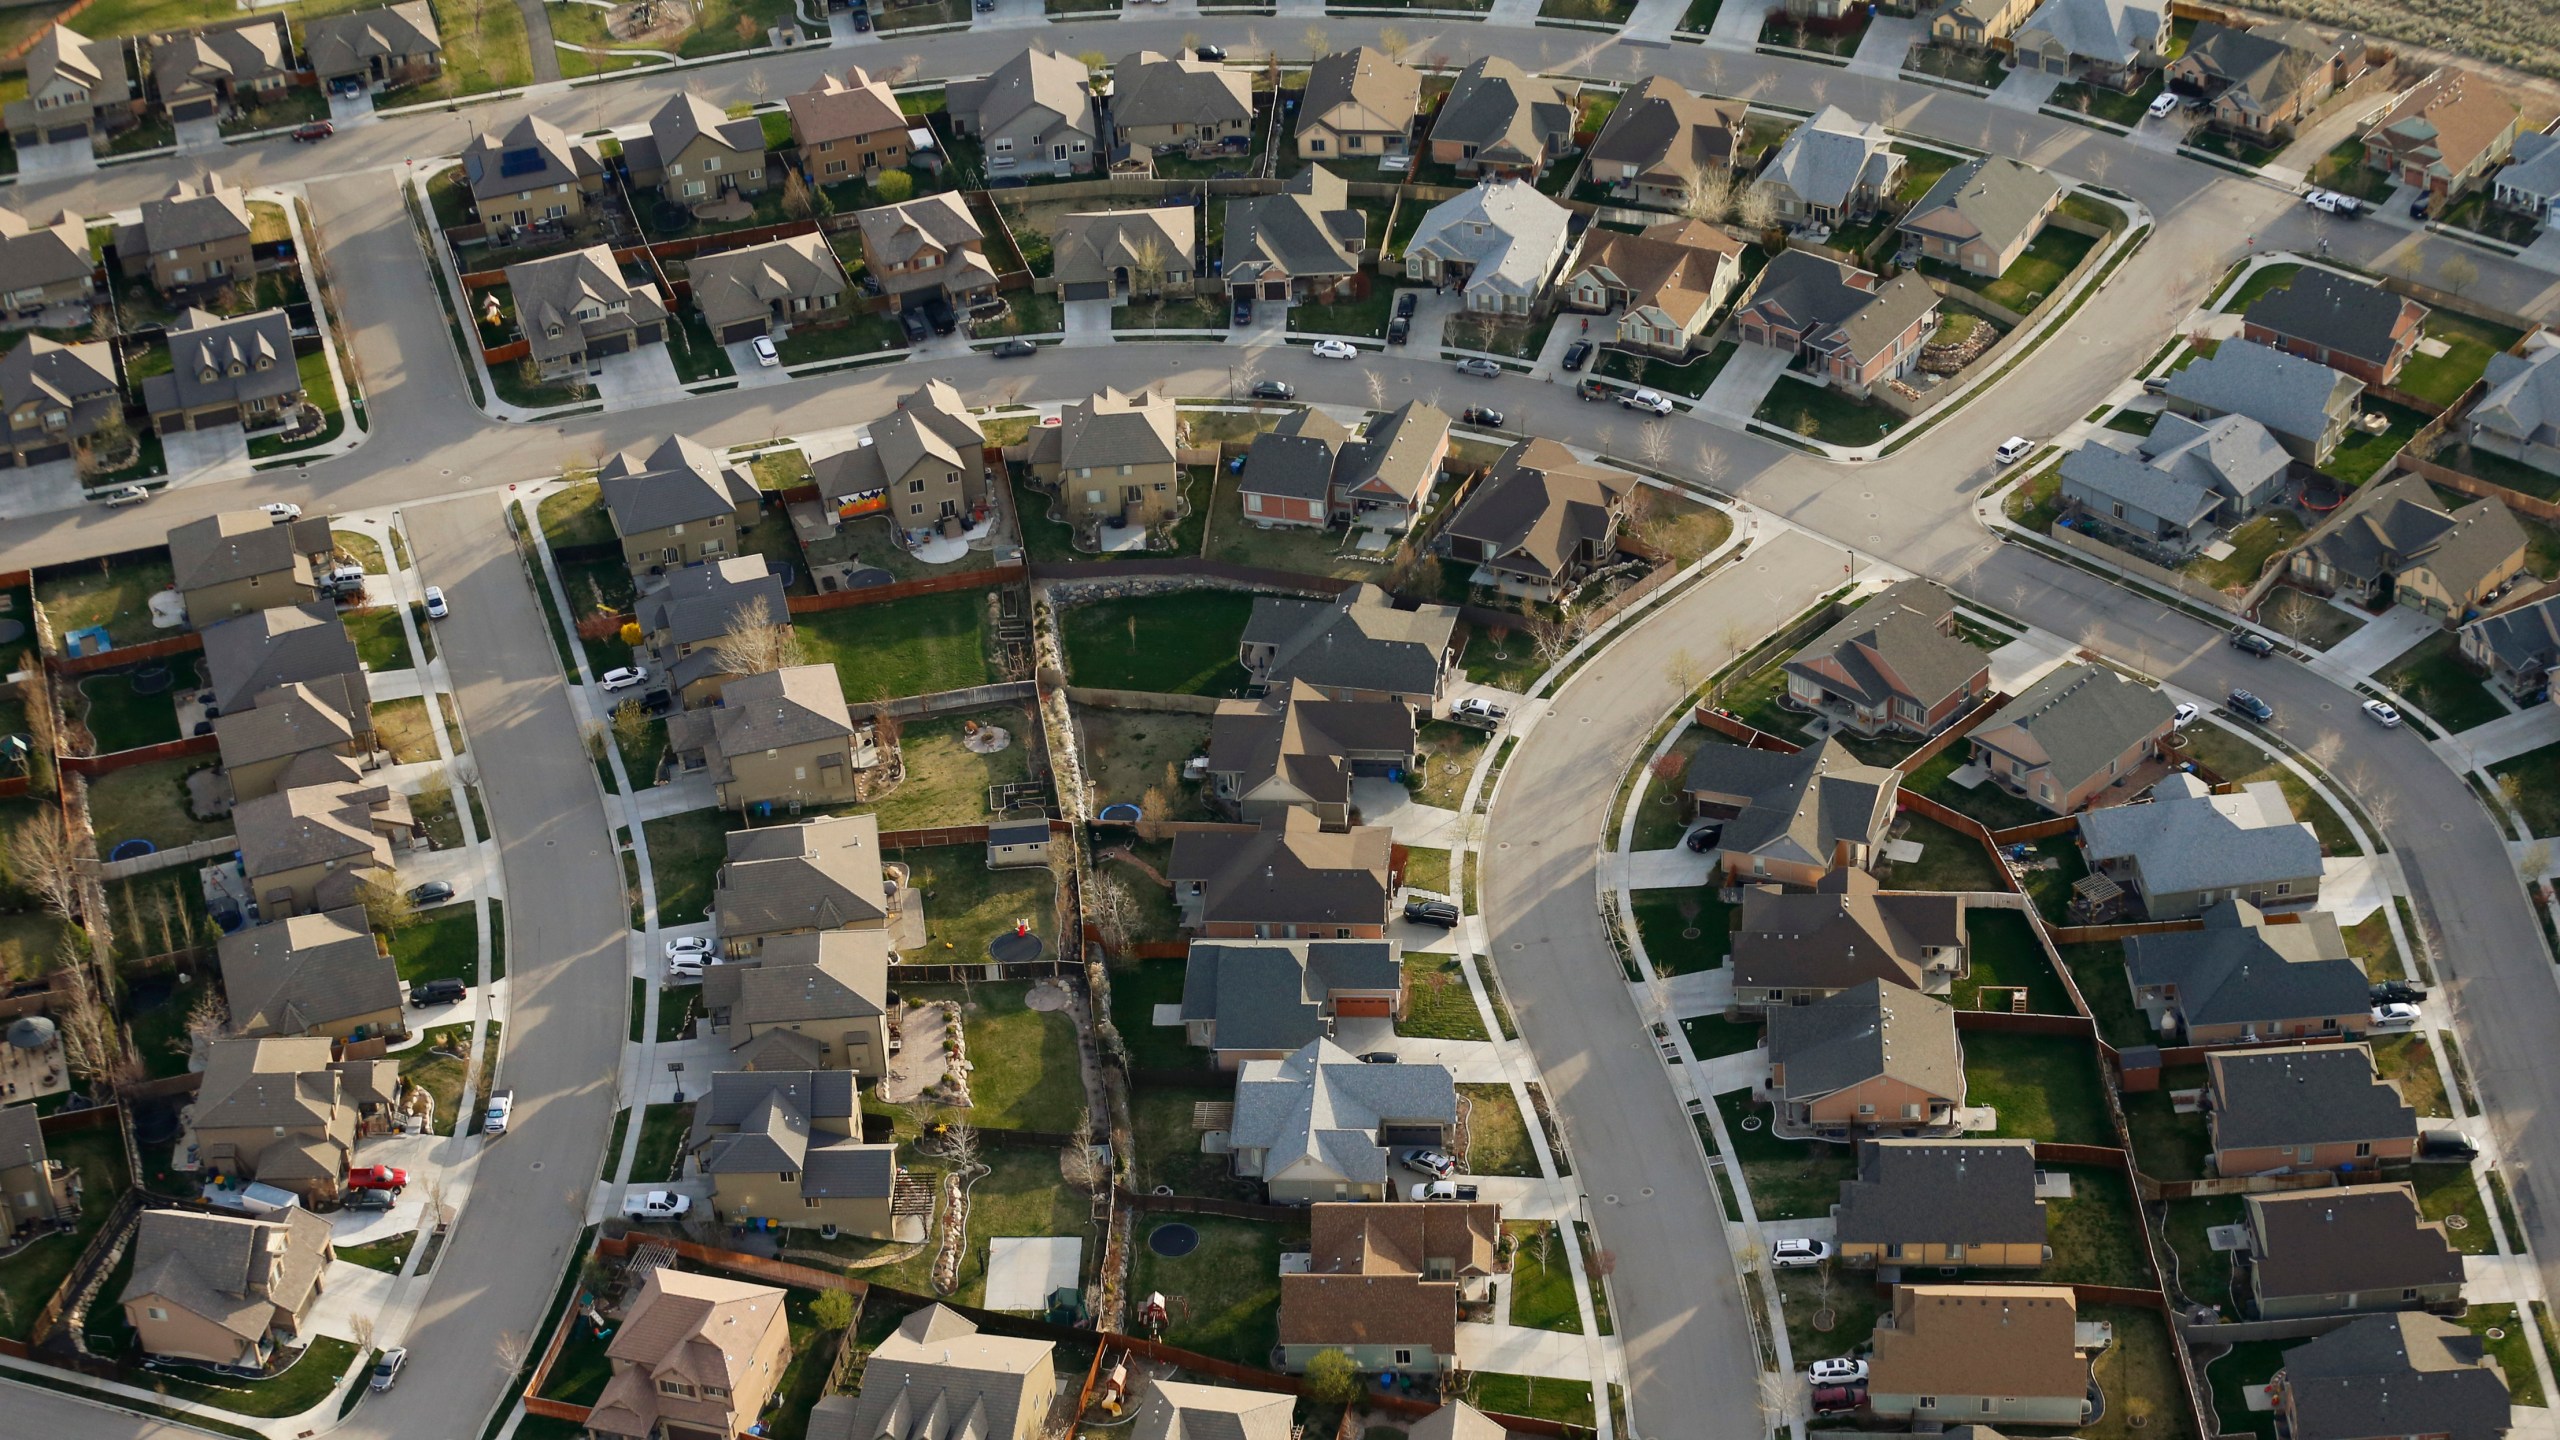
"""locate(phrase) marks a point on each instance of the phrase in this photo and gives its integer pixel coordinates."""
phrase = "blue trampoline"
(132, 850)
(1123, 813)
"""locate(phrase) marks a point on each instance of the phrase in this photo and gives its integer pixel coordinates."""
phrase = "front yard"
(1788, 1179)
(1684, 930)
(1438, 1004)
(2238, 760)
(442, 943)
(1824, 413)
(685, 852)
(2434, 678)
(1498, 1140)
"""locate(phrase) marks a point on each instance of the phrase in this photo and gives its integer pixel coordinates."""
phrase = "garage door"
(227, 415)
(64, 134)
(1090, 290)
(193, 109)
(610, 345)
(45, 455)
(653, 333)
(743, 330)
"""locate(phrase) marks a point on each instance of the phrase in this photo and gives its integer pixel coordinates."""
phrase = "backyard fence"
(108, 764)
(1964, 725)
(123, 655)
(201, 850)
(987, 579)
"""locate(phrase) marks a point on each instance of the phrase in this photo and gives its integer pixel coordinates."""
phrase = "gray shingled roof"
(734, 1094)
(2077, 719)
(1942, 1192)
(1845, 931)
(2335, 312)
(753, 281)
(2362, 1238)
(1358, 641)
(225, 362)
(1505, 112)
(2183, 471)
(2303, 1095)
(1871, 1030)
(1321, 1103)
(34, 255)
(1893, 644)
(2188, 838)
(288, 976)
(778, 709)
(823, 975)
(2404, 1374)
(701, 603)
(533, 154)
(2239, 970)
(1114, 428)
(1830, 156)
(815, 873)
(1667, 132)
(2002, 198)
(1538, 508)
(676, 481)
(231, 545)
(1271, 994)
(282, 645)
(2526, 638)
(200, 213)
(1813, 296)
(1801, 805)
(1308, 229)
(2399, 525)
(1149, 88)
(1287, 872)
(346, 44)
(1305, 739)
(1295, 459)
(2286, 393)
(2115, 32)
(2523, 399)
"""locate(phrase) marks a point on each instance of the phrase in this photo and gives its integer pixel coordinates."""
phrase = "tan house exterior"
(311, 975)
(1874, 1060)
(828, 990)
(848, 127)
(1294, 748)
(1796, 948)
(1978, 24)
(936, 1364)
(2444, 134)
(241, 560)
(282, 1112)
(1665, 286)
(35, 1189)
(696, 1357)
(42, 265)
(767, 289)
(77, 89)
(2305, 1110)
(1388, 1283)
(1358, 103)
(686, 623)
(2068, 739)
(260, 745)
(532, 173)
(694, 155)
(925, 249)
(780, 1147)
(1160, 100)
(676, 503)
(814, 875)
(924, 468)
(1942, 1202)
(194, 238)
(201, 74)
(223, 1289)
(1111, 461)
(782, 738)
(1988, 1354)
(315, 847)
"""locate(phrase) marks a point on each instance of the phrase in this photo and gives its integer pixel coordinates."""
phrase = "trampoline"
(12, 630)
(151, 680)
(1120, 814)
(1013, 947)
(131, 850)
(1173, 1241)
(867, 577)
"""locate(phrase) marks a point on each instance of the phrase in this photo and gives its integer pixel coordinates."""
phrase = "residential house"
(2179, 486)
(1942, 1202)
(2101, 42)
(223, 1289)
(1111, 462)
(2189, 851)
(2356, 1250)
(1294, 747)
(777, 739)
(2339, 321)
(676, 503)
(2517, 648)
(578, 310)
(1034, 115)
(1320, 1125)
(1358, 646)
(2306, 405)
(1895, 663)
(2265, 80)
(77, 89)
(1497, 243)
(924, 467)
(281, 1112)
(685, 623)
(1983, 214)
(1387, 1284)
(694, 155)
(1383, 479)
(1159, 101)
(937, 1373)
(1872, 1060)
(1288, 471)
(1500, 120)
(1793, 948)
(533, 173)
(42, 266)
(2384, 1377)
(1136, 254)
(1977, 25)
(329, 720)
(695, 1355)
(1303, 243)
(210, 72)
(2304, 1109)
(927, 249)
(823, 998)
(375, 49)
(315, 847)
(1664, 285)
(320, 974)
(766, 289)
(1831, 170)
(225, 372)
(1537, 522)
(2005, 1354)
(2073, 736)
(1661, 141)
(1013, 843)
(2530, 180)
(1358, 103)
(1174, 1410)
(236, 561)
(2518, 417)
(1285, 879)
(285, 645)
(784, 1149)
(1268, 999)
(193, 239)
(1457, 1420)
(1851, 326)
(2242, 980)
(813, 875)
(2395, 542)
(35, 1189)
(2444, 134)
(848, 127)
(1791, 817)
(56, 397)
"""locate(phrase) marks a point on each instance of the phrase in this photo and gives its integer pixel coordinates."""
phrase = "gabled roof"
(1093, 246)
(676, 481)
(1110, 429)
(1308, 229)
(2006, 1340)
(1299, 738)
(1837, 306)
(1538, 507)
(231, 545)
(1830, 156)
(2404, 1374)
(2240, 970)
(735, 1094)
(1800, 806)
(1676, 266)
(2076, 720)
(2115, 32)
(1036, 82)
(2523, 398)
(1947, 1192)
(2534, 168)
(2445, 122)
(1273, 994)
(2188, 838)
(216, 361)
(285, 721)
(2303, 1095)
(1287, 871)
(1668, 132)
(1360, 640)
(843, 107)
(2260, 65)
(231, 1270)
(533, 154)
(47, 375)
(815, 975)
(931, 424)
(2286, 393)
(1895, 644)
(290, 975)
(1509, 115)
(822, 874)
(1295, 459)
(896, 234)
(229, 53)
(1457, 1420)
(1398, 451)
(1507, 230)
(336, 823)
(1361, 91)
(1844, 931)
(701, 603)
(280, 645)
(1150, 88)
(2399, 525)
(1995, 197)
(345, 44)
(2335, 312)
(66, 53)
(552, 291)
(687, 117)
(937, 1377)
(1864, 1032)
(2525, 638)
(1323, 1108)
(268, 1081)
(706, 1329)
(781, 709)
(753, 281)
(1174, 1410)
(2184, 470)
(2361, 1238)
(33, 255)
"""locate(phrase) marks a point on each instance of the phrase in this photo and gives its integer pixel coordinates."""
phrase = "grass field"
(1665, 918)
(685, 852)
(1542, 1293)
(1438, 1004)
(1949, 860)
(1224, 1295)
(380, 642)
(946, 782)
(906, 647)
(442, 943)
(1128, 753)
(122, 717)
(2045, 1087)
(119, 599)
(2140, 1375)
(2096, 1235)
(1184, 646)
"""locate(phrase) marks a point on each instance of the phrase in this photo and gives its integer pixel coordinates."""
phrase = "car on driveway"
(2396, 992)
(2397, 1013)
(1479, 415)
(502, 1104)
(2252, 642)
(2383, 714)
(1434, 1163)
(1704, 838)
(2446, 1145)
(1799, 1254)
(1651, 402)
(121, 496)
(386, 1371)
(377, 1177)
(2251, 706)
(437, 609)
(1014, 350)
(281, 512)
(1441, 1190)
(1399, 330)
(693, 945)
(1481, 369)
(1336, 350)
(655, 1205)
(2165, 105)
(624, 678)
(1575, 354)
(1406, 303)
(766, 355)
(2013, 449)
(443, 990)
(1274, 390)
(1838, 1372)
(1244, 309)
(1211, 53)
(1838, 1399)
(2184, 716)
(1432, 912)
(434, 892)
(370, 1200)
(1478, 709)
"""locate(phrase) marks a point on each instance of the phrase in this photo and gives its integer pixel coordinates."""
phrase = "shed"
(1017, 842)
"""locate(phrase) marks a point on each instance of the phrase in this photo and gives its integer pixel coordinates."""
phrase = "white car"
(2398, 1012)
(1481, 369)
(2013, 449)
(1479, 709)
(281, 512)
(688, 967)
(766, 355)
(1798, 1254)
(2164, 106)
(502, 1103)
(1838, 1372)
(2184, 716)
(1652, 402)
(624, 678)
(2383, 714)
(1336, 350)
(662, 1205)
(696, 946)
(437, 609)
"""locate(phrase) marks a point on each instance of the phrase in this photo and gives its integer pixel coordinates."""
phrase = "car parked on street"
(2253, 707)
(502, 1103)
(655, 1205)
(2252, 642)
(2383, 714)
(1014, 350)
(121, 496)
(1211, 53)
(1274, 390)
(1336, 350)
(2396, 992)
(2013, 449)
(1650, 402)
(437, 609)
(304, 135)
(1480, 415)
(2398, 1014)
(1479, 368)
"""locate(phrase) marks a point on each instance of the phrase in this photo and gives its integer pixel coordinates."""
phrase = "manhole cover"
(1173, 1241)
(537, 1164)
(1692, 933)
(1646, 1192)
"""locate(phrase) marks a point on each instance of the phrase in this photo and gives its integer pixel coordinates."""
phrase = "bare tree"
(1754, 210)
(756, 641)
(1653, 444)
(1707, 195)
(631, 726)
(1394, 41)
(1710, 465)
(960, 1146)
(2534, 862)
(92, 1045)
(207, 1019)
(43, 864)
(2457, 273)
(1317, 43)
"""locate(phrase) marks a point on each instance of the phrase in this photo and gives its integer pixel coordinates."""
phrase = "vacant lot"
(1181, 645)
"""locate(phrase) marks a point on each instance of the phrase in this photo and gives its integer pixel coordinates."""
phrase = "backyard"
(2467, 343)
(2168, 1145)
(966, 904)
(1223, 1298)
(2363, 454)
(1184, 647)
(2140, 1375)
(128, 709)
(947, 782)
(2096, 1234)
(2007, 958)
(907, 647)
(2204, 1273)
(1130, 755)
(1949, 859)
(29, 1277)
(2043, 1087)
(149, 802)
(1026, 1065)
(2253, 543)
(117, 597)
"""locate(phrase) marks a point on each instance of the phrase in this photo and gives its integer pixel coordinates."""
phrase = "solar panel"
(520, 162)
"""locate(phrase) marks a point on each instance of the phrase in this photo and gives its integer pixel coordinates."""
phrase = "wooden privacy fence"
(123, 655)
(2036, 830)
(1964, 725)
(1962, 824)
(987, 579)
(108, 764)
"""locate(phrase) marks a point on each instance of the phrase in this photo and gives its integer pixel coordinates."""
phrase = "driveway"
(754, 374)
(197, 456)
(1088, 322)
(54, 485)
(2026, 89)
(195, 137)
(56, 162)
(1883, 48)
(349, 111)
(1740, 387)
(646, 376)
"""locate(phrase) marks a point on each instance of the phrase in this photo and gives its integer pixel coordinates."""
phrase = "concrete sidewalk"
(2501, 739)
(2383, 639)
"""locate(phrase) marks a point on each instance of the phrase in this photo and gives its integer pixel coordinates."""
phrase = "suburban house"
(823, 874)
(938, 1372)
(783, 1149)
(1664, 285)
(225, 372)
(2006, 1354)
(924, 467)
(283, 645)
(1137, 254)
(2344, 323)
(1537, 522)
(1320, 1125)
(2104, 42)
(1793, 948)
(1942, 1202)
(45, 265)
(2443, 134)
(1387, 1284)
(676, 503)
(765, 289)
(927, 249)
(236, 561)
(2530, 181)
(2241, 980)
(1358, 103)
(1357, 646)
(695, 155)
(1977, 25)
(1500, 120)
(1294, 747)
(2187, 850)
(2517, 648)
(1268, 999)
(1159, 100)
(1895, 663)
(695, 1355)
(1288, 471)
(2355, 1250)
(329, 720)
(1111, 461)
(1383, 479)
(223, 1289)
(1831, 170)
(684, 623)
(1174, 1410)
(375, 49)
(77, 90)
(1034, 115)
(1983, 214)
(1661, 140)
(1874, 1059)
(320, 974)
(1848, 325)
(280, 1111)
(1791, 817)
(1287, 878)
(315, 847)
(2304, 1109)
(2395, 542)
(848, 127)
(2265, 80)
(2382, 1376)
(1303, 243)
(2306, 405)
(578, 309)
(195, 238)
(35, 1189)
(2180, 485)
(822, 996)
(56, 397)
(2519, 416)
(532, 173)
(2073, 736)
(211, 72)
(1497, 243)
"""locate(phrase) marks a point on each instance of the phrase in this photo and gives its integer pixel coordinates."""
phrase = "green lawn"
(148, 802)
(1684, 930)
(2040, 270)
(2434, 678)
(2408, 1061)
(1497, 1133)
(1820, 412)
(1710, 1036)
(1224, 1297)
(1184, 645)
(2096, 1235)
(2099, 971)
(1137, 988)
(2260, 281)
(1438, 1004)
(2240, 761)
(685, 852)
(2244, 1368)
(2045, 1087)
(2361, 456)
(1788, 1179)
(1026, 1073)
(946, 782)
(906, 647)
(2514, 1353)
(1449, 755)
(313, 1375)
(1365, 319)
(2370, 942)
(386, 1255)
(662, 1135)
(1989, 802)
(29, 1277)
(1168, 1148)
(381, 643)
(1022, 1194)
(119, 599)
(2006, 956)
(966, 904)
(2253, 543)
(439, 1075)
(2142, 1366)
(2168, 1145)
(441, 943)
(1948, 860)
(2050, 886)
(575, 515)
(1501, 656)
(122, 717)
(2537, 774)
(2448, 1191)
(2468, 345)
(2204, 1274)
(1542, 1293)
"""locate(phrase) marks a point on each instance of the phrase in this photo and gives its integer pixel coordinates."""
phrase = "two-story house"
(1388, 1284)
(1793, 948)
(206, 73)
(2517, 647)
(1287, 878)
(2264, 80)
(1661, 141)
(813, 875)
(1537, 522)
(213, 1289)
(767, 289)
(923, 468)
(2441, 1378)
(2180, 486)
(676, 503)
(321, 975)
(236, 561)
(1111, 462)
(1358, 646)
(685, 623)
(694, 155)
(43, 266)
(1500, 120)
(693, 1356)
(533, 173)
(577, 310)
(2304, 404)
(315, 847)
(284, 645)
(2074, 738)
(1295, 748)
(2519, 415)
(1853, 327)
(55, 397)
(35, 1189)
(225, 372)
(1358, 103)
(77, 90)
(2444, 134)
(1034, 115)
(927, 249)
(2355, 1250)
(816, 999)
(2305, 1109)
(784, 1148)
(280, 1111)
(194, 239)
(1896, 663)
(938, 1363)
(848, 127)
(265, 744)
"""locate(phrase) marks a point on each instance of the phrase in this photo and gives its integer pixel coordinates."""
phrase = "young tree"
(1317, 44)
(795, 195)
(92, 1044)
(386, 906)
(1707, 195)
(1753, 210)
(756, 641)
(831, 1310)
(631, 724)
(2457, 273)
(747, 29)
(1394, 41)
(894, 187)
(1331, 1379)
(207, 1019)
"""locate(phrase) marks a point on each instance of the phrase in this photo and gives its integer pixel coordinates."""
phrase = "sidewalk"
(2382, 640)
(2501, 739)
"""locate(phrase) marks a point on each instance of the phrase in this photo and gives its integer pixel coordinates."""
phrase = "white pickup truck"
(655, 1205)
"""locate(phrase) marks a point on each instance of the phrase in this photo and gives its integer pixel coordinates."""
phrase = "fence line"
(123, 655)
(987, 579)
(1964, 725)
(164, 859)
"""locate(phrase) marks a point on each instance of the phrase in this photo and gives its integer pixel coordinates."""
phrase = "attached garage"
(44, 454)
(1089, 290)
(608, 345)
(1369, 1007)
(653, 333)
(731, 334)
(66, 134)
(200, 108)
(215, 418)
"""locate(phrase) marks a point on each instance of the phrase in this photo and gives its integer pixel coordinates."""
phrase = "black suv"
(2398, 992)
(444, 991)
(1399, 330)
(2253, 642)
(1432, 912)
(1576, 353)
(1405, 304)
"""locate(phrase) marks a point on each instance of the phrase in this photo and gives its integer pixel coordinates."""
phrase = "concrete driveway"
(56, 162)
(754, 374)
(197, 456)
(195, 137)
(1739, 388)
(2026, 89)
(1882, 49)
(646, 376)
(54, 485)
(1088, 322)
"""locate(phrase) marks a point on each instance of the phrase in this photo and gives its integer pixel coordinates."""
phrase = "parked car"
(1406, 303)
(1651, 402)
(281, 512)
(912, 321)
(1434, 1163)
(2013, 449)
(1014, 350)
(377, 1177)
(1479, 709)
(1244, 309)
(1575, 354)
(2184, 716)
(2446, 1145)
(2398, 1012)
(655, 1205)
(1837, 1399)
(862, 21)
(2251, 706)
(696, 945)
(386, 1371)
(1479, 415)
(1440, 1190)
(1704, 838)
(1432, 912)
(1274, 390)
(121, 496)
(2389, 992)
(1211, 53)
(687, 967)
(2156, 385)
(1336, 350)
(2419, 208)
(1399, 330)
(1382, 1057)
(2253, 642)
(1838, 1372)
(2383, 714)
(305, 134)
(437, 609)
(766, 355)
(443, 990)
(623, 678)
(1481, 369)
(2165, 105)
(502, 1103)
(434, 892)
(1799, 1254)
(370, 1200)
